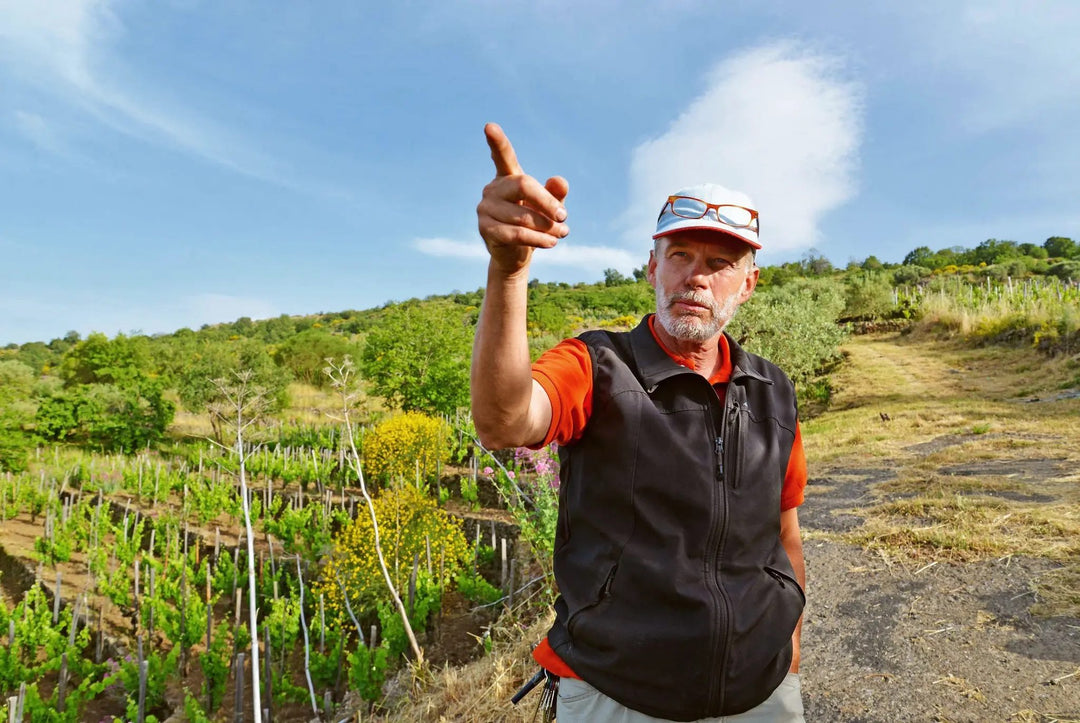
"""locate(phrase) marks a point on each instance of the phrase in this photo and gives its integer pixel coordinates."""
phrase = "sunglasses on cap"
(727, 214)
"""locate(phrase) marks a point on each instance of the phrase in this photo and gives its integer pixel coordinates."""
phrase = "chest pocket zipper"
(734, 428)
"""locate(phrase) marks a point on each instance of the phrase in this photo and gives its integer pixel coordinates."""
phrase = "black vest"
(677, 598)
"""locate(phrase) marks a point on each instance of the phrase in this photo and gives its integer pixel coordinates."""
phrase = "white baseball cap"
(709, 207)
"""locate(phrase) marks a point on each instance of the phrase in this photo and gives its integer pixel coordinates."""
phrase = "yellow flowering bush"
(393, 448)
(408, 520)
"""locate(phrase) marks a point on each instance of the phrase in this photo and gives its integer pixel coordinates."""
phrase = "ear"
(749, 284)
(651, 273)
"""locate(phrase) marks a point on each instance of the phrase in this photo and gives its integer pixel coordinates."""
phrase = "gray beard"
(688, 327)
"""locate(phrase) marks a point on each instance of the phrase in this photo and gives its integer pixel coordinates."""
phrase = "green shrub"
(794, 326)
(867, 295)
(1066, 270)
(418, 356)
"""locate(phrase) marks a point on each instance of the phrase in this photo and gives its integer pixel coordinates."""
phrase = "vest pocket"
(785, 581)
(602, 595)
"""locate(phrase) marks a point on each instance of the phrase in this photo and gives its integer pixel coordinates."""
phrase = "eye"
(720, 264)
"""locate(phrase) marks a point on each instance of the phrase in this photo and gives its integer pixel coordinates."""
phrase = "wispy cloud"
(780, 122)
(565, 254)
(39, 132)
(64, 47)
(449, 248)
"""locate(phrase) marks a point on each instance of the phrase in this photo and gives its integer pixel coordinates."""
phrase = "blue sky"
(180, 162)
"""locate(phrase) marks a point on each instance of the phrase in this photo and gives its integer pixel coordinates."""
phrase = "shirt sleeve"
(565, 373)
(795, 478)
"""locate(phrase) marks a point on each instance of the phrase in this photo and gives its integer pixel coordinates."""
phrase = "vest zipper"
(721, 635)
(720, 459)
(734, 430)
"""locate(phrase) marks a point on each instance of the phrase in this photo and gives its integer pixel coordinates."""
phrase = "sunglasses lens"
(734, 215)
(688, 207)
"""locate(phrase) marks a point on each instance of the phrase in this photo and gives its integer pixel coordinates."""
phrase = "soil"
(883, 641)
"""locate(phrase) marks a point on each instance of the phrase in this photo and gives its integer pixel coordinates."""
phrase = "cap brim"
(675, 228)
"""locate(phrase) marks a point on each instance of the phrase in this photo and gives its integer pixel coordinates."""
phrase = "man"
(677, 554)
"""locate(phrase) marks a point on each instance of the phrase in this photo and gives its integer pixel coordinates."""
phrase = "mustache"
(694, 297)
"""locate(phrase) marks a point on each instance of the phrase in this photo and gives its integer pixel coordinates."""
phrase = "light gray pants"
(579, 702)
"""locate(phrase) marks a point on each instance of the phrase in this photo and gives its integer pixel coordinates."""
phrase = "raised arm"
(516, 215)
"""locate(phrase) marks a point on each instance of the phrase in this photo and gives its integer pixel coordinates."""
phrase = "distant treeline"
(122, 393)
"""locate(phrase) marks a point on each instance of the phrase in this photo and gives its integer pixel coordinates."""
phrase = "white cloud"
(64, 46)
(779, 122)
(448, 248)
(564, 254)
(590, 258)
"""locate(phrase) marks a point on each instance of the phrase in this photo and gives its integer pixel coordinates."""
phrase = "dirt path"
(932, 619)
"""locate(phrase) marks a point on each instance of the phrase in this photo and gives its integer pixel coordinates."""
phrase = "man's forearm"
(516, 215)
(502, 386)
(791, 539)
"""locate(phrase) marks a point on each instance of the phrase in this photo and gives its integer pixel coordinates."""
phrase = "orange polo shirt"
(565, 373)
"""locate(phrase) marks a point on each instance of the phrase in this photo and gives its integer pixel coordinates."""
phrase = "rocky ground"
(894, 636)
(885, 641)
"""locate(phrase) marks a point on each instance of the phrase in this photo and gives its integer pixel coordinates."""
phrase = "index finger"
(502, 153)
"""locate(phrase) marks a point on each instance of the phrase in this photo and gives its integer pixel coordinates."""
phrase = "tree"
(38, 356)
(872, 263)
(1033, 251)
(612, 277)
(110, 398)
(417, 357)
(16, 412)
(110, 417)
(223, 360)
(97, 360)
(991, 251)
(1060, 247)
(815, 264)
(305, 354)
(278, 329)
(919, 257)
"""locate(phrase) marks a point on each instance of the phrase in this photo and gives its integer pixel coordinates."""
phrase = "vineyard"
(1042, 311)
(131, 571)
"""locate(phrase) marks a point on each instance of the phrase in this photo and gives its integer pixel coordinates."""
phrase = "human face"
(701, 278)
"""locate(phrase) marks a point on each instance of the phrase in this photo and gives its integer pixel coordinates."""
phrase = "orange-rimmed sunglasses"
(726, 213)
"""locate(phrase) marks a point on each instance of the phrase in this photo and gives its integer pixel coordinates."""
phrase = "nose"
(698, 275)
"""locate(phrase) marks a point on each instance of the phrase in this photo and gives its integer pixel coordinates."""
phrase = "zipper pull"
(720, 458)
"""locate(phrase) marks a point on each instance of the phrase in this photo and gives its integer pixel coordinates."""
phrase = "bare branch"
(342, 378)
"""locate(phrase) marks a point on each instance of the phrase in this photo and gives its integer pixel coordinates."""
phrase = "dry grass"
(308, 405)
(481, 690)
(968, 529)
(980, 471)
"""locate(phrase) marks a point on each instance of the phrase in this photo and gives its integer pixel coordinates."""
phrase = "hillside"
(942, 538)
